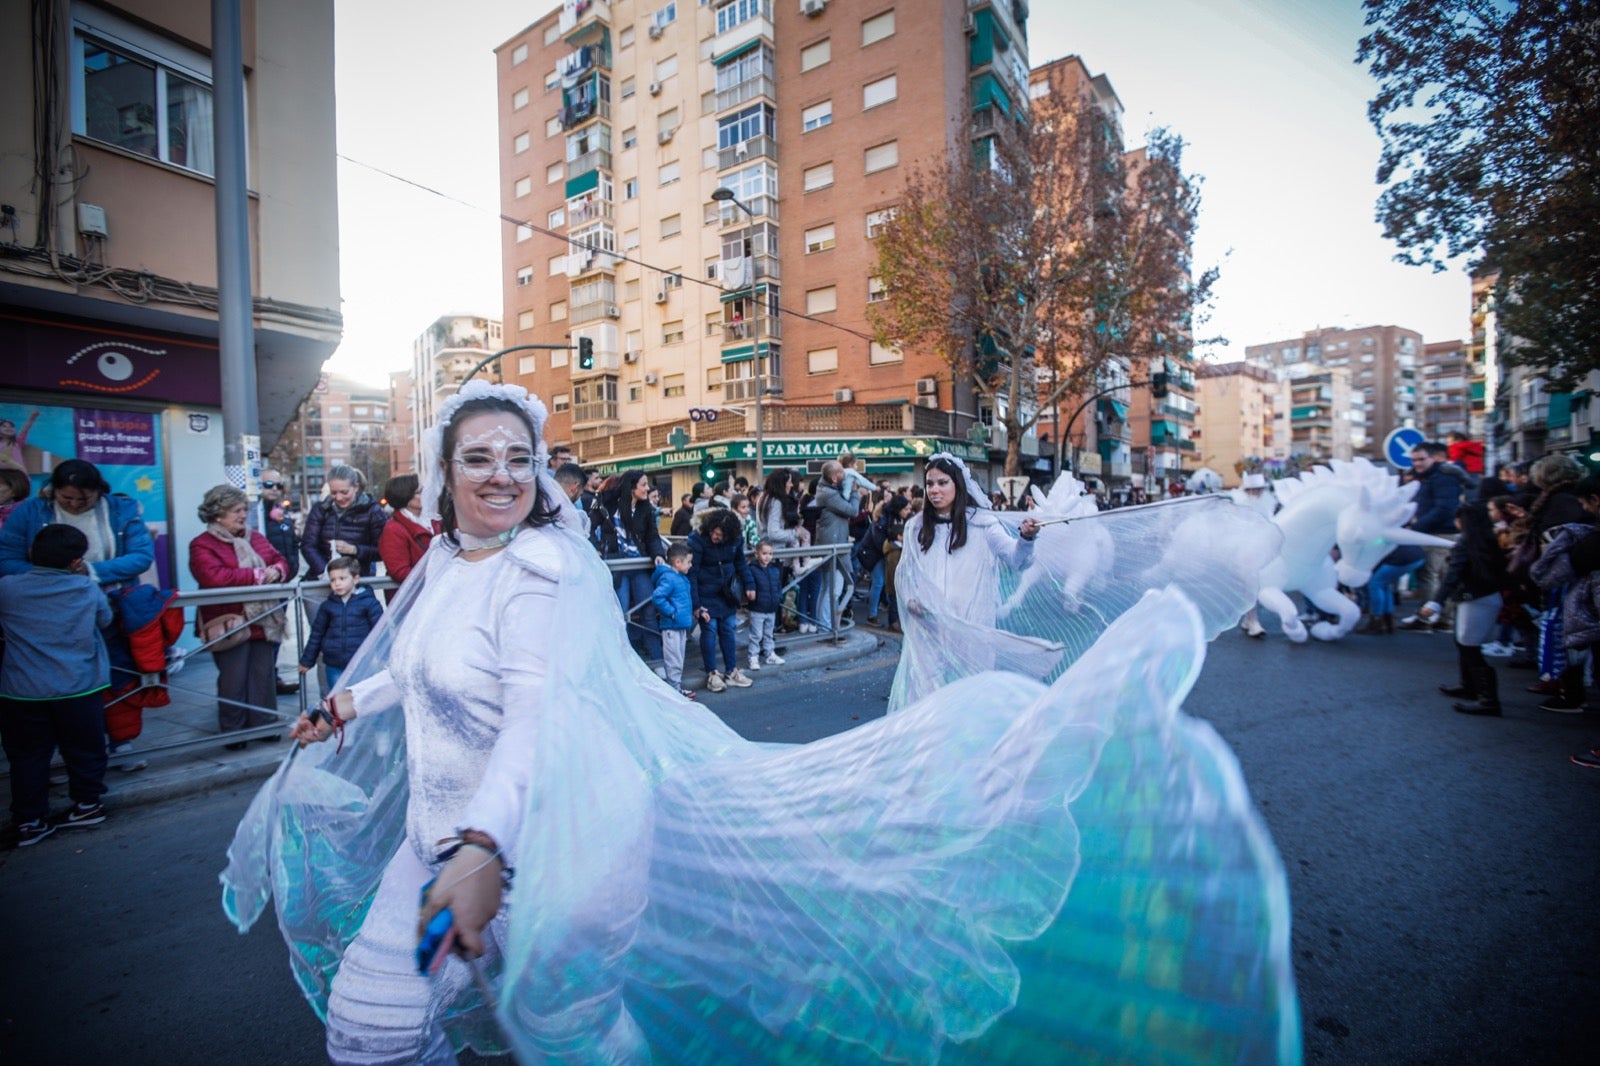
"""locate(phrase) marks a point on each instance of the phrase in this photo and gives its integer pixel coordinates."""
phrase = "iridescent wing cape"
(962, 617)
(1004, 871)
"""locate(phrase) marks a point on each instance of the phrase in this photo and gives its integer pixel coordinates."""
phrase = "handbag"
(209, 631)
(733, 588)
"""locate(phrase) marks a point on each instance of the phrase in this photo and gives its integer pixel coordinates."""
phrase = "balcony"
(738, 332)
(748, 30)
(757, 147)
(597, 411)
(594, 310)
(594, 159)
(844, 418)
(744, 389)
(745, 91)
(579, 13)
(574, 115)
(762, 206)
(731, 272)
(589, 209)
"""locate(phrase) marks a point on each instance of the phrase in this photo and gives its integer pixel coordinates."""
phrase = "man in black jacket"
(1438, 496)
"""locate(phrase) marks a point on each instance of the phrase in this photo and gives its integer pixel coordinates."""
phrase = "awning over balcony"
(1560, 414)
(736, 51)
(745, 352)
(987, 92)
(1115, 410)
(588, 181)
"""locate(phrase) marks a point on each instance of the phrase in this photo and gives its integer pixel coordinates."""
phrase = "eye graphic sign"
(94, 360)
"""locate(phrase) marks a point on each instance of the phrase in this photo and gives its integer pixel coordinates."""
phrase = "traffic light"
(585, 353)
(709, 475)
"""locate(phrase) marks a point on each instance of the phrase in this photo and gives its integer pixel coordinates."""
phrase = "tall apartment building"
(404, 455)
(1383, 363)
(1098, 445)
(441, 358)
(1445, 386)
(1314, 413)
(108, 244)
(1237, 417)
(619, 121)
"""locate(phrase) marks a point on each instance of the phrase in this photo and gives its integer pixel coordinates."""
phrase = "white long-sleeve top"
(963, 584)
(467, 670)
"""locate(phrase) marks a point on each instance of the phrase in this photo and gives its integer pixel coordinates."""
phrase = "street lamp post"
(725, 195)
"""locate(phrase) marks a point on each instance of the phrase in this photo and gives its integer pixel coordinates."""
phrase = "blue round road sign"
(1398, 444)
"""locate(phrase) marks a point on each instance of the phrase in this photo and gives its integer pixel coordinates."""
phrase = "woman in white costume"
(681, 895)
(956, 548)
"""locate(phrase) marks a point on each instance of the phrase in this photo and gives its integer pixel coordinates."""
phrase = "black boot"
(1468, 688)
(1488, 686)
(1388, 625)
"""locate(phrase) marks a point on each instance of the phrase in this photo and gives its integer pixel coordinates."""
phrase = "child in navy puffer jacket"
(343, 621)
(764, 611)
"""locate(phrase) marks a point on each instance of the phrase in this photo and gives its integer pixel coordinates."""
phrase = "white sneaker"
(714, 682)
(774, 659)
(1498, 650)
(807, 627)
(127, 766)
(738, 680)
(755, 664)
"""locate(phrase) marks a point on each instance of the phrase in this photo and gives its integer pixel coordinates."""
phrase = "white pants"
(380, 1011)
(762, 626)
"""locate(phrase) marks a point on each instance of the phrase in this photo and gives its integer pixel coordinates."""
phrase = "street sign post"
(1398, 444)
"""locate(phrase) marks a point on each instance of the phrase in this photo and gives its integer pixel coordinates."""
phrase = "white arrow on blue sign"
(1398, 444)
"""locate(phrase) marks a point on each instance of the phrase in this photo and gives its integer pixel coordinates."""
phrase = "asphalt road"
(1441, 870)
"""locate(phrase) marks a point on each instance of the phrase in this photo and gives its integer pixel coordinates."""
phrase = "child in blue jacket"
(675, 608)
(55, 670)
(343, 621)
(764, 611)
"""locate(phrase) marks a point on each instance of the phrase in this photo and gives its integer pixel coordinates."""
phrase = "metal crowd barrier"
(817, 558)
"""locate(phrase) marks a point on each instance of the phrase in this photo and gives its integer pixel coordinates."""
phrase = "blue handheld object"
(436, 938)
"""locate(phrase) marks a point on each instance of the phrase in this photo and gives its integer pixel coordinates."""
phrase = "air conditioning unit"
(651, 378)
(969, 26)
(655, 32)
(812, 8)
(931, 402)
(665, 135)
(630, 356)
(661, 296)
(655, 88)
(927, 387)
(613, 311)
(843, 395)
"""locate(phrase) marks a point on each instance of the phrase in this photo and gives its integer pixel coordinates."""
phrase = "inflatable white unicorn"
(1358, 507)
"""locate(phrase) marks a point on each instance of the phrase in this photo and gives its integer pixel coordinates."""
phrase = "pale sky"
(1265, 91)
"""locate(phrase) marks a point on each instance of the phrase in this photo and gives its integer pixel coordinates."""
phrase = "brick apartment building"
(1383, 362)
(1445, 387)
(1237, 417)
(618, 121)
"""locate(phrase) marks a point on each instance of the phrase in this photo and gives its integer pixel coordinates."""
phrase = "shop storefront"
(143, 407)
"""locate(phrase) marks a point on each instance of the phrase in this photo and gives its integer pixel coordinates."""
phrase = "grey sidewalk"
(192, 716)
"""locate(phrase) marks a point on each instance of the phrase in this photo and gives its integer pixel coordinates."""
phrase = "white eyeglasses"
(480, 467)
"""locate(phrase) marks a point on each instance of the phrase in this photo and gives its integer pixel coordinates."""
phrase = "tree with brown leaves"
(1033, 264)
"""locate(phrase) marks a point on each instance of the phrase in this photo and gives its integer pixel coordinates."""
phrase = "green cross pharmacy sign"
(801, 451)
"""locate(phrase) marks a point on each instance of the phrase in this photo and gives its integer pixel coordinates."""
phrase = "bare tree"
(1051, 252)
